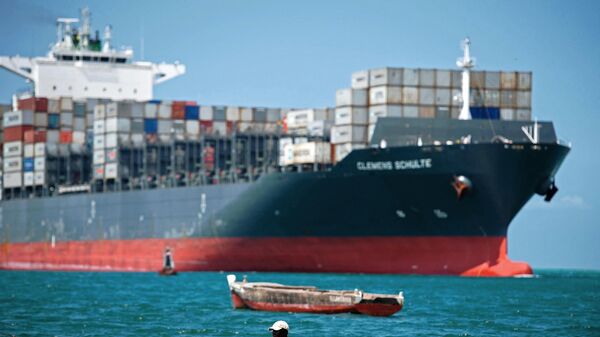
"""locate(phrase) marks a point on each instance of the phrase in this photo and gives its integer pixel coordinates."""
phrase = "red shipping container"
(66, 137)
(178, 110)
(16, 133)
(28, 137)
(206, 126)
(40, 136)
(229, 127)
(37, 104)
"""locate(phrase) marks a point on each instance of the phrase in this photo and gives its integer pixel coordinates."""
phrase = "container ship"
(416, 171)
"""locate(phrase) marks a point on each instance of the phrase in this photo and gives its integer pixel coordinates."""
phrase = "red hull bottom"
(467, 256)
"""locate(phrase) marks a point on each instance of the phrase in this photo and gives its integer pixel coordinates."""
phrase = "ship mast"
(466, 63)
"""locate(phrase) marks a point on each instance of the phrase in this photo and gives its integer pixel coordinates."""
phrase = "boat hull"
(378, 211)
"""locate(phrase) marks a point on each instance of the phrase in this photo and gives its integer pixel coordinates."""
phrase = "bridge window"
(86, 58)
(104, 59)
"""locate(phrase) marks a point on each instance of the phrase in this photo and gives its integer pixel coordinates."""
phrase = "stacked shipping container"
(52, 142)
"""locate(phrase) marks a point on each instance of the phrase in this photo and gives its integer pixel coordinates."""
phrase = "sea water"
(552, 303)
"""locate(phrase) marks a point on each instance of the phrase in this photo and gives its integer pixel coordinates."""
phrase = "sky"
(298, 53)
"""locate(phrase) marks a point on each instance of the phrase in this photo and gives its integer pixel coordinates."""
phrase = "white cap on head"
(279, 325)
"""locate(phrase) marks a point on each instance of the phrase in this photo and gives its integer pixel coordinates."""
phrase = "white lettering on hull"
(412, 164)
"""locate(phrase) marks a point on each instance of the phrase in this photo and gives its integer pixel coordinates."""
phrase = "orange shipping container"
(16, 133)
(66, 137)
(37, 104)
(178, 110)
(39, 136)
(29, 137)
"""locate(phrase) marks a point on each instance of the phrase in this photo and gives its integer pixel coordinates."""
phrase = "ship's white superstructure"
(81, 66)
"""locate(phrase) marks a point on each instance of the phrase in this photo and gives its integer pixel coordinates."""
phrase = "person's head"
(279, 329)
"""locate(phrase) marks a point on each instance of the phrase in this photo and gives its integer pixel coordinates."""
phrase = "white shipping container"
(351, 97)
(491, 98)
(523, 99)
(426, 96)
(524, 81)
(150, 110)
(442, 78)
(114, 124)
(11, 149)
(273, 115)
(220, 128)
(442, 96)
(342, 150)
(410, 95)
(246, 115)
(232, 113)
(456, 98)
(301, 118)
(137, 139)
(13, 164)
(508, 80)
(376, 111)
(410, 111)
(385, 76)
(66, 119)
(426, 77)
(40, 120)
(79, 123)
(286, 154)
(492, 80)
(111, 171)
(348, 134)
(66, 104)
(112, 109)
(137, 110)
(206, 113)
(192, 127)
(319, 128)
(360, 79)
(351, 115)
(53, 105)
(99, 142)
(111, 140)
(39, 178)
(385, 95)
(100, 111)
(79, 137)
(28, 150)
(39, 163)
(28, 179)
(507, 114)
(523, 114)
(52, 137)
(99, 126)
(164, 112)
(312, 152)
(12, 180)
(410, 77)
(165, 126)
(17, 118)
(39, 149)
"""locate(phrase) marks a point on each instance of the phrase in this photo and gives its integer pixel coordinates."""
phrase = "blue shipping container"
(28, 164)
(150, 125)
(53, 121)
(485, 113)
(155, 101)
(192, 112)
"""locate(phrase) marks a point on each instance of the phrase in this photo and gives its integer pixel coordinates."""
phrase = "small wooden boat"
(278, 297)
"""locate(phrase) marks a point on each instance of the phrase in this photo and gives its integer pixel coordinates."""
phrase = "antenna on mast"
(466, 63)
